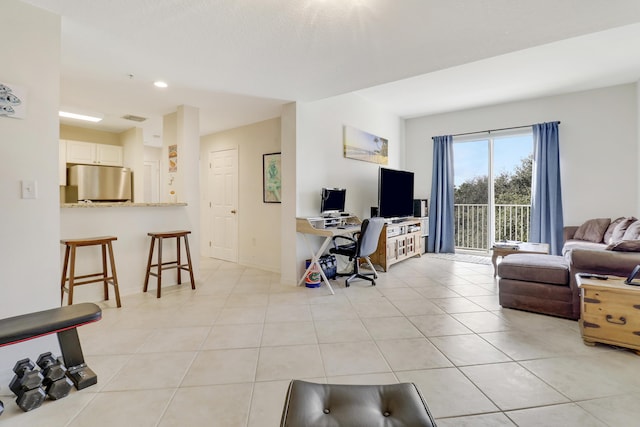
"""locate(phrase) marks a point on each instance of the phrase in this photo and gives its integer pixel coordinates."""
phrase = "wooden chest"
(610, 312)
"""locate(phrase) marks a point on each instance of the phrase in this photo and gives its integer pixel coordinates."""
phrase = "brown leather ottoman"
(329, 405)
(537, 283)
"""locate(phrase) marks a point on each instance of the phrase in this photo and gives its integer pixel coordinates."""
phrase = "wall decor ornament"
(271, 178)
(360, 145)
(13, 101)
(173, 158)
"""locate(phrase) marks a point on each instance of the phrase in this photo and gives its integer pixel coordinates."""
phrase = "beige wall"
(598, 146)
(76, 133)
(258, 223)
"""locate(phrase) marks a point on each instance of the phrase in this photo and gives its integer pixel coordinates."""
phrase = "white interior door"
(223, 204)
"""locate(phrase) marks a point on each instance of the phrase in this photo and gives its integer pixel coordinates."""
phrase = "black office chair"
(361, 245)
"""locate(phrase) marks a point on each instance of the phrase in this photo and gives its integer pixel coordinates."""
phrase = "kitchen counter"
(130, 223)
(119, 205)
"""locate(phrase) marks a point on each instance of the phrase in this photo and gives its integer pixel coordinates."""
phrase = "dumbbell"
(27, 385)
(55, 382)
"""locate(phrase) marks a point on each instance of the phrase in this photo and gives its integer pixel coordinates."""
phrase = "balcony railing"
(511, 222)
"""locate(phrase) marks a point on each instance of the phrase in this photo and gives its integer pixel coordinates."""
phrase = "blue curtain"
(546, 195)
(441, 230)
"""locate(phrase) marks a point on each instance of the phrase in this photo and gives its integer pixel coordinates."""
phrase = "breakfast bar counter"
(118, 205)
(129, 223)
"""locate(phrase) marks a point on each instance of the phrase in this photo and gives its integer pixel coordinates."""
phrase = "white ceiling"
(595, 60)
(239, 61)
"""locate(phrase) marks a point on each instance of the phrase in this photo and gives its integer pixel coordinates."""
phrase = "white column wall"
(320, 160)
(183, 129)
(169, 181)
(638, 140)
(29, 228)
(133, 146)
(288, 243)
(320, 153)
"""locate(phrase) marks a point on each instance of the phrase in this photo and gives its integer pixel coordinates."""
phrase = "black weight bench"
(62, 321)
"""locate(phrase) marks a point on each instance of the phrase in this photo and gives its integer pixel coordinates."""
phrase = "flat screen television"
(332, 200)
(395, 193)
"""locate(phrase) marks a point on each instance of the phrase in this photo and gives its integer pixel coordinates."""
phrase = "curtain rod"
(493, 130)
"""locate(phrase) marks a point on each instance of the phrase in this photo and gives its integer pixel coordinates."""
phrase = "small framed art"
(271, 178)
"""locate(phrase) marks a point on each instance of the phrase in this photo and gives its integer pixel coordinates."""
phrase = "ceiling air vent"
(134, 118)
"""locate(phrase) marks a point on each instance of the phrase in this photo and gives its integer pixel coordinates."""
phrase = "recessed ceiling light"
(160, 84)
(76, 116)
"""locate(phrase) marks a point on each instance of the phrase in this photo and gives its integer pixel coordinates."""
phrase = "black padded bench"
(62, 321)
(322, 405)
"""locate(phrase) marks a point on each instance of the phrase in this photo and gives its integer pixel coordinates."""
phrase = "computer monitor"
(332, 200)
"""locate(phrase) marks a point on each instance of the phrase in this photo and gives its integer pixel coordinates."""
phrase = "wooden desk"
(327, 227)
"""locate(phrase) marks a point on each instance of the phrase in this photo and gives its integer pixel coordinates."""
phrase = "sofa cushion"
(633, 232)
(550, 269)
(620, 229)
(592, 230)
(607, 234)
(625, 246)
(570, 245)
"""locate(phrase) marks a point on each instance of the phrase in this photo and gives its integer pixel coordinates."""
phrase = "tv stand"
(398, 241)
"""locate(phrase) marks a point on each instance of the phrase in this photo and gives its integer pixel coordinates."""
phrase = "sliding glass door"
(492, 178)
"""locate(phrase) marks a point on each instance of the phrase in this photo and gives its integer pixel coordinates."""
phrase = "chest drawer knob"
(620, 321)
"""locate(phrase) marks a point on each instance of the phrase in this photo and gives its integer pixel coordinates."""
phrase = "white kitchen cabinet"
(81, 152)
(88, 153)
(109, 155)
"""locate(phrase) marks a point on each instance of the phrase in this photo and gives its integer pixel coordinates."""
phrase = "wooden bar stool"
(70, 264)
(170, 264)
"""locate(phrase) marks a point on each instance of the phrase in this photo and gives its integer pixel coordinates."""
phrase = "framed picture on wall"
(173, 158)
(361, 145)
(271, 178)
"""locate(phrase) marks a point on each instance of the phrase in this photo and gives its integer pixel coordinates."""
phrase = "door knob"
(233, 211)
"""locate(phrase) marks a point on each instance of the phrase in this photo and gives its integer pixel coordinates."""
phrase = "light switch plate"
(29, 189)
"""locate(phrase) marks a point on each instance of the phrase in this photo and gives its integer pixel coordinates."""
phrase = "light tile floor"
(223, 355)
